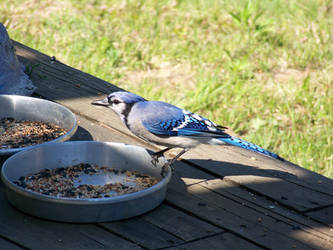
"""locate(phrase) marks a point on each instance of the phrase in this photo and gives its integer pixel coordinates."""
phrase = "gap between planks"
(293, 170)
(94, 86)
(309, 226)
(199, 177)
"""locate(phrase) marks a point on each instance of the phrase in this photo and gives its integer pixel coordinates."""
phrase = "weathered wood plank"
(143, 233)
(235, 192)
(165, 219)
(191, 228)
(222, 241)
(5, 244)
(324, 215)
(269, 207)
(180, 224)
(285, 193)
(221, 203)
(76, 90)
(68, 86)
(244, 196)
(162, 219)
(54, 68)
(264, 228)
(302, 188)
(2, 160)
(34, 233)
(308, 229)
(89, 130)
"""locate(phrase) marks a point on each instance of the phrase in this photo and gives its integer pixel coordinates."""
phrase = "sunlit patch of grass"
(262, 68)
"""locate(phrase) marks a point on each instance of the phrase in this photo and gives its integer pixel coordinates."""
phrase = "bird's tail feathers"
(249, 146)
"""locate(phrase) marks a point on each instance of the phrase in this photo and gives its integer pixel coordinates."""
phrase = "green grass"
(263, 68)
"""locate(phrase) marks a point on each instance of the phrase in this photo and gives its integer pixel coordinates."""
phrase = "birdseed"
(84, 181)
(22, 133)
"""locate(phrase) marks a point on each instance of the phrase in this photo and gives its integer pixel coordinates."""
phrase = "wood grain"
(218, 198)
(34, 233)
(324, 215)
(225, 241)
(255, 223)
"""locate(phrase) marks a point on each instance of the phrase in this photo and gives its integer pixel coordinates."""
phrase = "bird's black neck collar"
(126, 112)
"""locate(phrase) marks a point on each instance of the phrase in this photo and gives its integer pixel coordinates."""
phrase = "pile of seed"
(21, 133)
(65, 182)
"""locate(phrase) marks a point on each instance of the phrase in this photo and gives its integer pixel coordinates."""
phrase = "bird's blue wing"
(164, 119)
(183, 123)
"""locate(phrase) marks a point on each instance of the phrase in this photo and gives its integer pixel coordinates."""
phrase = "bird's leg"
(177, 156)
(161, 152)
(157, 155)
(170, 162)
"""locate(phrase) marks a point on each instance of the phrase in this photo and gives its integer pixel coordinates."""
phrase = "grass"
(262, 68)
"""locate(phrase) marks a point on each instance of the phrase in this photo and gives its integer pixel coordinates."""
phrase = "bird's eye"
(116, 101)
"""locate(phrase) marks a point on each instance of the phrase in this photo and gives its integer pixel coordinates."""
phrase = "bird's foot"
(155, 156)
(166, 166)
(170, 162)
(155, 159)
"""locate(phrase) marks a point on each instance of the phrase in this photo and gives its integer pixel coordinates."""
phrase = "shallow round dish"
(35, 109)
(113, 155)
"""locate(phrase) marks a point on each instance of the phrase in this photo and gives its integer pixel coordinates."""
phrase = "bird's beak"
(103, 102)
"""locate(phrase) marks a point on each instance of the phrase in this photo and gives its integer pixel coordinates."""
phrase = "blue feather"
(166, 120)
(249, 146)
(184, 124)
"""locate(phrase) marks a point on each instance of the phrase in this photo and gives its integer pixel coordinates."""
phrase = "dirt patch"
(284, 82)
(167, 75)
(290, 74)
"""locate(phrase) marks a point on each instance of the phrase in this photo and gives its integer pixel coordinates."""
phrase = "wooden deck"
(218, 198)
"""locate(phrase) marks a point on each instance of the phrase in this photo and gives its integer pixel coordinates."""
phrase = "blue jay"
(167, 125)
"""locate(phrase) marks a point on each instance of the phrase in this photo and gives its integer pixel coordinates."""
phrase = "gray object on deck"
(35, 109)
(13, 80)
(108, 154)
